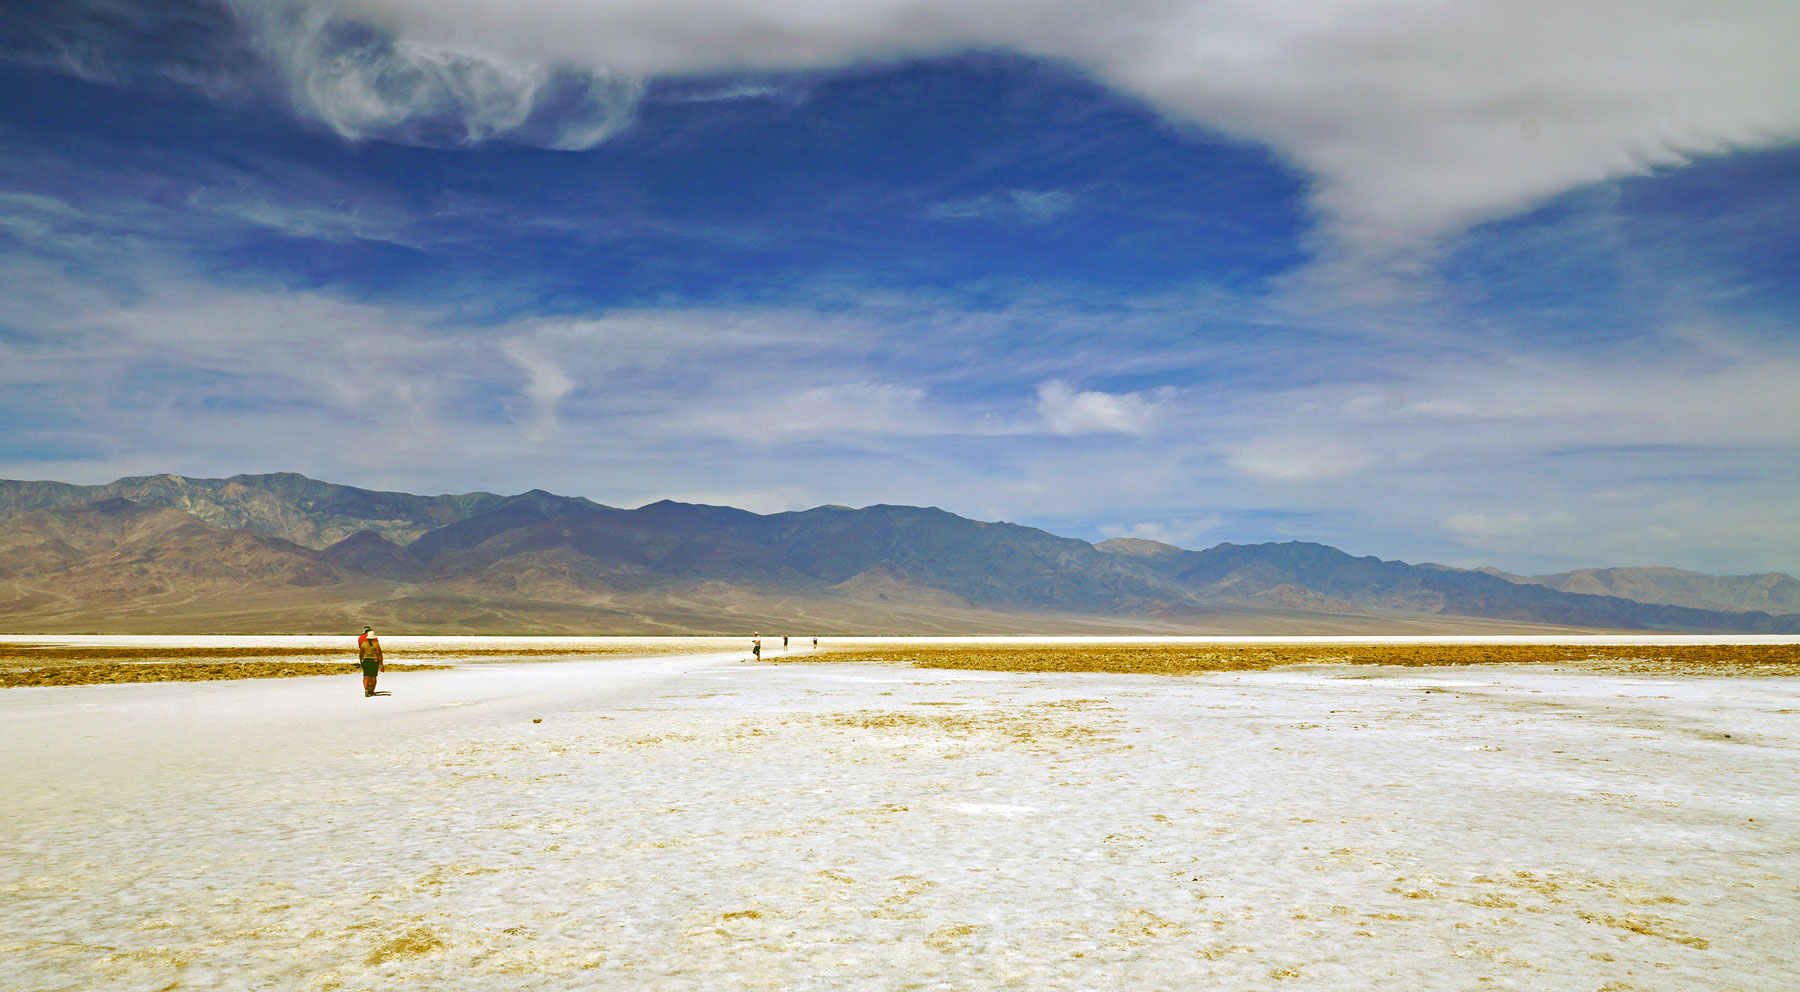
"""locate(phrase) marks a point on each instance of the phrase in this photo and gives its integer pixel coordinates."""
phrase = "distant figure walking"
(784, 642)
(368, 651)
(815, 644)
(756, 645)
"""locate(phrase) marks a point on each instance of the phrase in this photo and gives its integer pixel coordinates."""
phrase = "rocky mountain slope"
(1770, 592)
(286, 505)
(1243, 573)
(541, 561)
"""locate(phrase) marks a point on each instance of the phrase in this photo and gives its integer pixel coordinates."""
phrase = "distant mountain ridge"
(287, 505)
(291, 552)
(1769, 592)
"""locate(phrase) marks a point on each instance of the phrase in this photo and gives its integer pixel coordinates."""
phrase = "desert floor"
(697, 822)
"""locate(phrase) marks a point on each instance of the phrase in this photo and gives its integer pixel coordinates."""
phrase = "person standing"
(815, 644)
(368, 651)
(784, 642)
(756, 645)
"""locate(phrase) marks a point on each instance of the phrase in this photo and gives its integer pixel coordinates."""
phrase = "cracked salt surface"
(697, 823)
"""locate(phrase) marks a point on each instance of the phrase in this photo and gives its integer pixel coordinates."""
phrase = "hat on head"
(367, 629)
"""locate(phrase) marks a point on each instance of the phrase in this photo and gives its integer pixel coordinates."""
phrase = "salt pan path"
(701, 823)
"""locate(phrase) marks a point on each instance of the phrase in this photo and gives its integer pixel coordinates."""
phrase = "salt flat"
(700, 823)
(449, 642)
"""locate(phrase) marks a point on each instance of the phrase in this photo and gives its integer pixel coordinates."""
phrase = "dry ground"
(1193, 659)
(61, 664)
(176, 671)
(44, 664)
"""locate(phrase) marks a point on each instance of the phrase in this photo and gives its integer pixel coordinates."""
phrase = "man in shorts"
(368, 651)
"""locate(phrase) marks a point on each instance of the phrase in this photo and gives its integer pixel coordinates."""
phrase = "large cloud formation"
(1413, 117)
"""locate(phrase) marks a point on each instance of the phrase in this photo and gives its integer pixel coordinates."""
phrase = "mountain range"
(285, 553)
(1770, 592)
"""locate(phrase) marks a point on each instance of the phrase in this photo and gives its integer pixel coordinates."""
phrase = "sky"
(1502, 282)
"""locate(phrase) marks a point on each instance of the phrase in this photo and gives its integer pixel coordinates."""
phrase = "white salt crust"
(702, 823)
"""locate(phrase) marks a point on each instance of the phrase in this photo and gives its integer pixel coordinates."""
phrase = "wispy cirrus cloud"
(430, 88)
(1028, 205)
(1297, 458)
(1494, 106)
(545, 386)
(636, 405)
(774, 411)
(1491, 106)
(1482, 528)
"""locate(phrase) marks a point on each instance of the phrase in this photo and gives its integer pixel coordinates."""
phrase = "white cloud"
(545, 386)
(1673, 454)
(763, 339)
(762, 414)
(1481, 527)
(1181, 533)
(721, 93)
(429, 88)
(1069, 411)
(1031, 206)
(1413, 117)
(1439, 408)
(1296, 459)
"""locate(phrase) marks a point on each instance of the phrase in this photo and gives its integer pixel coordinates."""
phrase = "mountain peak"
(549, 502)
(1138, 546)
(270, 476)
(369, 553)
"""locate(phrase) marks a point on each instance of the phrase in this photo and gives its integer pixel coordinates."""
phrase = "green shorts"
(371, 668)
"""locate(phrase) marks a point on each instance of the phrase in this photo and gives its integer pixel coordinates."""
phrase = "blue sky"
(1477, 283)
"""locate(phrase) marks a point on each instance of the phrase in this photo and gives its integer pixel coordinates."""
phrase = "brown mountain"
(368, 553)
(1770, 592)
(1231, 573)
(284, 504)
(540, 562)
(148, 549)
(114, 564)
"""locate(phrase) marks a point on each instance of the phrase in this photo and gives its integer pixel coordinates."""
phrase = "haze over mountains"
(282, 552)
(1771, 592)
